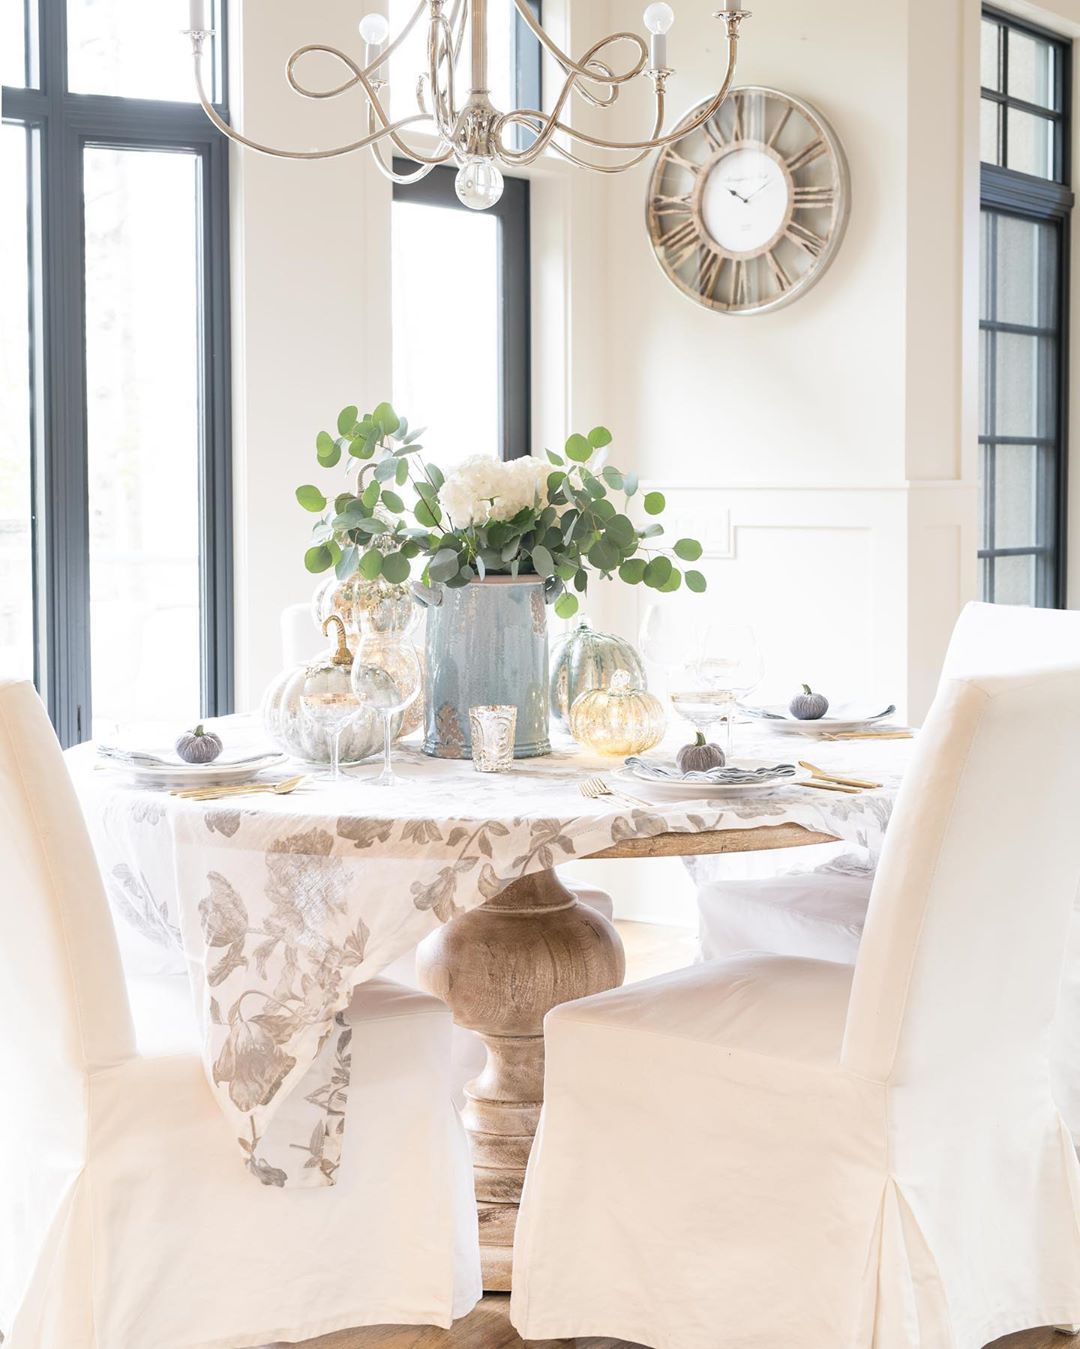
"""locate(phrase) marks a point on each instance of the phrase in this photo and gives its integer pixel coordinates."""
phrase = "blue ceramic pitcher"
(486, 643)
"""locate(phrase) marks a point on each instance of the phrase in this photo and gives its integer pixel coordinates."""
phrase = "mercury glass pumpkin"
(364, 606)
(298, 734)
(586, 659)
(619, 720)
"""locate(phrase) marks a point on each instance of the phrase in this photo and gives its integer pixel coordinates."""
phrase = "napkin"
(839, 712)
(728, 776)
(134, 758)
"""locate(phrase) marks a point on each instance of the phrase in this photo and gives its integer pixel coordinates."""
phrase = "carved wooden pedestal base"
(501, 968)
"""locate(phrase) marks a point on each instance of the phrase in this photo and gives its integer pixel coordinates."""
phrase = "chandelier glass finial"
(472, 132)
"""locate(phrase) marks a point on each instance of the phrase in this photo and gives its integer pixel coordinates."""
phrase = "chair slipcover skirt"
(163, 1241)
(693, 1186)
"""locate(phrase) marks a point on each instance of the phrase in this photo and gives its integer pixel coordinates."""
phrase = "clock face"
(746, 211)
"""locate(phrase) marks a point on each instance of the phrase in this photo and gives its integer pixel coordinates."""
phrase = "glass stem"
(730, 723)
(387, 740)
(335, 755)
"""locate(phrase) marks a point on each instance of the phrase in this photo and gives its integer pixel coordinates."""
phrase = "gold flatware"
(835, 777)
(868, 735)
(828, 786)
(240, 789)
(595, 788)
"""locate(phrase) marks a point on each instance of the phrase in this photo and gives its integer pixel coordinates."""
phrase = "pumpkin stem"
(806, 689)
(699, 738)
(199, 730)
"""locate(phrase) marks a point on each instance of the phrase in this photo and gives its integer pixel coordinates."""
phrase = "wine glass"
(326, 711)
(670, 637)
(386, 678)
(707, 689)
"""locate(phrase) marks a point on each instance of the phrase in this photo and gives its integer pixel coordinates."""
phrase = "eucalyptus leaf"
(651, 531)
(695, 582)
(346, 420)
(612, 477)
(311, 498)
(346, 563)
(373, 525)
(370, 496)
(385, 469)
(393, 502)
(387, 420)
(371, 564)
(578, 449)
(672, 583)
(566, 606)
(633, 571)
(604, 556)
(401, 476)
(481, 566)
(327, 450)
(657, 572)
(599, 436)
(554, 458)
(395, 567)
(443, 565)
(654, 503)
(630, 483)
(435, 476)
(428, 514)
(688, 549)
(542, 562)
(319, 558)
(620, 529)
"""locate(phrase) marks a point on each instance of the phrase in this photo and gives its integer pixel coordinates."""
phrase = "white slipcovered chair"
(127, 1220)
(820, 914)
(797, 1152)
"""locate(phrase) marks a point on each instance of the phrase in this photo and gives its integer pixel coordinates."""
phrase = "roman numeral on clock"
(806, 155)
(776, 268)
(806, 239)
(681, 242)
(708, 273)
(804, 198)
(670, 206)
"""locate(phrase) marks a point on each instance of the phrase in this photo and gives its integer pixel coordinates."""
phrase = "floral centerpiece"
(523, 533)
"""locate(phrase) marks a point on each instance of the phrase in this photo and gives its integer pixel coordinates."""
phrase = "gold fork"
(835, 778)
(239, 789)
(595, 788)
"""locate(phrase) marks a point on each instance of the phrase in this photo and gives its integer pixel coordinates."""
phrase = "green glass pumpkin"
(586, 659)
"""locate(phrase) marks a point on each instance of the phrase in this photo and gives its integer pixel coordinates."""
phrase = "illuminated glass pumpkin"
(619, 720)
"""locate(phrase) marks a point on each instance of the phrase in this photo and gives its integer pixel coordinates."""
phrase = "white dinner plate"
(674, 790)
(192, 775)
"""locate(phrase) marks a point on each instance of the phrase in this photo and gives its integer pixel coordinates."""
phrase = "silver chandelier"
(475, 133)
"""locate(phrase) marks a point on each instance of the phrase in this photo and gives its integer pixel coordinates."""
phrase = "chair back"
(991, 639)
(961, 953)
(63, 1008)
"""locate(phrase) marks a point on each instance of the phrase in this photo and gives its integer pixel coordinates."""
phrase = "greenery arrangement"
(486, 517)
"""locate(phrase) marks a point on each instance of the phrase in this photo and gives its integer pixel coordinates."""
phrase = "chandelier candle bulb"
(197, 16)
(658, 19)
(374, 29)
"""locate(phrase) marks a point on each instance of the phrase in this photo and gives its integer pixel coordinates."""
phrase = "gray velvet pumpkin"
(585, 659)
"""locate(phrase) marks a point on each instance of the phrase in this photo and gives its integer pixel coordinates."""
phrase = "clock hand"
(764, 185)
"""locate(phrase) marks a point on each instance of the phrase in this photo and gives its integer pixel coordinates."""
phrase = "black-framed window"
(1023, 311)
(115, 473)
(461, 358)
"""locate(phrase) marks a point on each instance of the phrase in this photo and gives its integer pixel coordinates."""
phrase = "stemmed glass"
(707, 689)
(327, 704)
(386, 678)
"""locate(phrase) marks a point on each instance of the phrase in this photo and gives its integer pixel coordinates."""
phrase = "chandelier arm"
(569, 64)
(656, 142)
(357, 71)
(442, 99)
(238, 138)
(528, 118)
(388, 170)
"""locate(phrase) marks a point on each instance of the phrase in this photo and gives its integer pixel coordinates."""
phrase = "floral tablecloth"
(281, 904)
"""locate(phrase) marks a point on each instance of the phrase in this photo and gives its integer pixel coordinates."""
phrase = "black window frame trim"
(66, 123)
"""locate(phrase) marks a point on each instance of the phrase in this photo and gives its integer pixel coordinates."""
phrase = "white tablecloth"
(281, 904)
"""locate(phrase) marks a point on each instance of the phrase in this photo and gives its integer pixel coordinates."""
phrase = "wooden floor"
(488, 1327)
(649, 950)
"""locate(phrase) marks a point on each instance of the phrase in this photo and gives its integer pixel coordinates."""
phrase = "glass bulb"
(479, 184)
(659, 17)
(375, 29)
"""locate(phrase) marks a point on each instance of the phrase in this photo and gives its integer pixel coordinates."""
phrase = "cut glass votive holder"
(492, 728)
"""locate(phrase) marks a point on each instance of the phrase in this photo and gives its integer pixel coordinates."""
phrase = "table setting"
(400, 787)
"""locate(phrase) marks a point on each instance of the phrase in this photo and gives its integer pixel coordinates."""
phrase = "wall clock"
(746, 213)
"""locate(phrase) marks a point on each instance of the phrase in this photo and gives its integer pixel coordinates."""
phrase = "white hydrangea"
(483, 488)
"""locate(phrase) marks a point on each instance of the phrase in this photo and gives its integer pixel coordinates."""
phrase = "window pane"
(133, 48)
(142, 368)
(1025, 385)
(13, 35)
(1031, 144)
(16, 453)
(1015, 496)
(439, 313)
(1014, 580)
(990, 55)
(1031, 69)
(1025, 262)
(989, 132)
